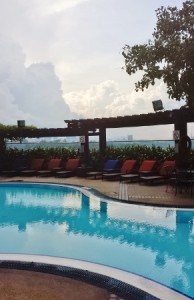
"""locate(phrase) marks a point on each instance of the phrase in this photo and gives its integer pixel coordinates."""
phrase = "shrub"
(138, 152)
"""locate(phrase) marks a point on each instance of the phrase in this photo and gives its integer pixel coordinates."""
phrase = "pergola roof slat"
(83, 126)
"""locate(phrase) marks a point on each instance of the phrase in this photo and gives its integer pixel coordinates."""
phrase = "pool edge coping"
(85, 189)
(20, 261)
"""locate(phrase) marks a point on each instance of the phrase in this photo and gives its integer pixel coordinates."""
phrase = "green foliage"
(169, 56)
(7, 129)
(47, 153)
(138, 152)
(134, 152)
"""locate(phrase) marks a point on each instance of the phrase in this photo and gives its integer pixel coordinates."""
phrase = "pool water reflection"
(157, 243)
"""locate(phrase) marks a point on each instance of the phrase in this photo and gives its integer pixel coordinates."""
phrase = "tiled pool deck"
(131, 192)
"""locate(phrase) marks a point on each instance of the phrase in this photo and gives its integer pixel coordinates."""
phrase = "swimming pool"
(62, 221)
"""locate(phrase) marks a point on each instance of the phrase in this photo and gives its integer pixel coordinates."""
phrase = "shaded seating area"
(110, 166)
(53, 165)
(164, 172)
(36, 165)
(146, 168)
(128, 166)
(19, 164)
(70, 168)
(183, 181)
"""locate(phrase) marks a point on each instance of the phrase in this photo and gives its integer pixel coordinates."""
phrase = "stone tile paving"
(131, 192)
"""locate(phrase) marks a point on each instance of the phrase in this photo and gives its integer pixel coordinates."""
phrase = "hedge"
(138, 152)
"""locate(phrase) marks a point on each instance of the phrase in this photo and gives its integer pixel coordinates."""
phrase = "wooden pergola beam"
(98, 126)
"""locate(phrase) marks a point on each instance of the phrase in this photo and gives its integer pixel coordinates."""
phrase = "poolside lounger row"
(127, 167)
(164, 172)
(19, 164)
(146, 168)
(39, 167)
(128, 170)
(110, 166)
(147, 171)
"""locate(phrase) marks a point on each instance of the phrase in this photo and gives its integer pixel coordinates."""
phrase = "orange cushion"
(37, 164)
(54, 163)
(164, 170)
(147, 165)
(169, 163)
(128, 166)
(72, 164)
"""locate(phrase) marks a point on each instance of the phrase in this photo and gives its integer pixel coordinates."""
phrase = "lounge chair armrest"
(57, 169)
(111, 171)
(148, 173)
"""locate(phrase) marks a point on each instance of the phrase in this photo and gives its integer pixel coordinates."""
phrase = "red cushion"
(72, 164)
(37, 164)
(128, 166)
(54, 163)
(147, 165)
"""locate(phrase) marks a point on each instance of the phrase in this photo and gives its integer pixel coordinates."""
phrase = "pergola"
(97, 127)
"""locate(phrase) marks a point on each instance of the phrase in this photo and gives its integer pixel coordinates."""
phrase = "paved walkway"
(131, 192)
(27, 285)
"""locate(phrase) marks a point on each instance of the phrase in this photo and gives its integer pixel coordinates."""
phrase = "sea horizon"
(92, 144)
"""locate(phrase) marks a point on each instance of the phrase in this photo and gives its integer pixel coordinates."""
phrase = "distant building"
(130, 137)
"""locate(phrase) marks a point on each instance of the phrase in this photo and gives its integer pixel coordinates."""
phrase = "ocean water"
(94, 145)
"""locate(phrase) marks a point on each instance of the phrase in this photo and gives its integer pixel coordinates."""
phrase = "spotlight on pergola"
(157, 105)
(21, 123)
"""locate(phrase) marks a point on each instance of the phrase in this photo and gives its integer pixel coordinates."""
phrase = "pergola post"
(2, 144)
(102, 139)
(181, 146)
(85, 149)
(2, 150)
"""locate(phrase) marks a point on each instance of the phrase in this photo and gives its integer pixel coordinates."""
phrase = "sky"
(62, 60)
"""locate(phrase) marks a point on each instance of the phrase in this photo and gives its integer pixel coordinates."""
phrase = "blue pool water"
(157, 243)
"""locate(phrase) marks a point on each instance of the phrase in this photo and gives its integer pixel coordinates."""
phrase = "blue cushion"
(111, 164)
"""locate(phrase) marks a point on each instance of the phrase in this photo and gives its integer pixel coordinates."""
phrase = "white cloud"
(71, 49)
(33, 93)
(9, 113)
(106, 100)
(47, 7)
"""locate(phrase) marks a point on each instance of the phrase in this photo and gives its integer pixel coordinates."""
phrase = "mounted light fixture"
(21, 123)
(157, 105)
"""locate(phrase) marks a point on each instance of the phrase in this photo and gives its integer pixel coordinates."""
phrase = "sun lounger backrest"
(128, 166)
(111, 164)
(37, 164)
(54, 163)
(147, 165)
(72, 164)
(19, 163)
(166, 167)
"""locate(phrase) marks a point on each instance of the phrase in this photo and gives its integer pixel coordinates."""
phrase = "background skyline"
(63, 60)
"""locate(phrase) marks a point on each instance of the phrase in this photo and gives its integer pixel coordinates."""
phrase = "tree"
(169, 55)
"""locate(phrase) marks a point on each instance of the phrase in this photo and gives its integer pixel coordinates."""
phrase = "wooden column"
(86, 150)
(84, 153)
(2, 144)
(102, 139)
(181, 146)
(2, 150)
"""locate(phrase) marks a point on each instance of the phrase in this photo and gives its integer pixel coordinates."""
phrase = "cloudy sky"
(62, 60)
